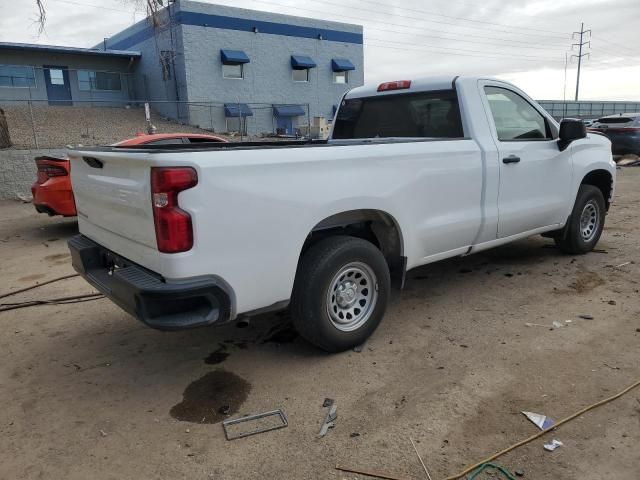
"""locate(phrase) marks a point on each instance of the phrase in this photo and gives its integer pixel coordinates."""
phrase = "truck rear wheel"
(585, 225)
(340, 292)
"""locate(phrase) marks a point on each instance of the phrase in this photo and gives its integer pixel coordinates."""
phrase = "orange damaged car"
(52, 193)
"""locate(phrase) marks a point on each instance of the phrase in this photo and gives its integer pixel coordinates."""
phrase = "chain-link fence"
(37, 124)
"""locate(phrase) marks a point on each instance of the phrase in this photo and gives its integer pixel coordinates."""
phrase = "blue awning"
(234, 57)
(288, 110)
(341, 65)
(300, 62)
(237, 110)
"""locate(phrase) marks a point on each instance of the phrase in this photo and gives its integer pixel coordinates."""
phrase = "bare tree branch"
(42, 16)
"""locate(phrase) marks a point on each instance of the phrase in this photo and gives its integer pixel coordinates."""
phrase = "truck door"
(535, 176)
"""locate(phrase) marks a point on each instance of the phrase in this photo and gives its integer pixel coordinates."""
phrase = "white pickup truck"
(413, 172)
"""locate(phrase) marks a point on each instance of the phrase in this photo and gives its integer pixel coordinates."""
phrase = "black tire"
(571, 238)
(318, 273)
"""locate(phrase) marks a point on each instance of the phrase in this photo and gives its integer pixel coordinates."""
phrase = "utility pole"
(582, 43)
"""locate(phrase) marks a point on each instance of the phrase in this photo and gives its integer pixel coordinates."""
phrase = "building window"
(90, 80)
(166, 60)
(56, 75)
(233, 71)
(16, 76)
(300, 75)
(341, 77)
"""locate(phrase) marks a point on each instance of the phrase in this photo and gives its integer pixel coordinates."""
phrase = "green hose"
(484, 466)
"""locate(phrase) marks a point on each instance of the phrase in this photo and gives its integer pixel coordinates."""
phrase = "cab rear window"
(422, 114)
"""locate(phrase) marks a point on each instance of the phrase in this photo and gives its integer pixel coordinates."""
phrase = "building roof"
(68, 50)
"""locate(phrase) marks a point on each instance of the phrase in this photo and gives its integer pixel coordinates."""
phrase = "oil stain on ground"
(212, 398)
(283, 333)
(57, 256)
(217, 356)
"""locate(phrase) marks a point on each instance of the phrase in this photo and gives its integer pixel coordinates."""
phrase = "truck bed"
(208, 146)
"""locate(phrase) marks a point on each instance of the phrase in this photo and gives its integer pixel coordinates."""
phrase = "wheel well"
(375, 226)
(602, 180)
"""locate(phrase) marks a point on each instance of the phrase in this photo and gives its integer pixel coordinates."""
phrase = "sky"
(524, 42)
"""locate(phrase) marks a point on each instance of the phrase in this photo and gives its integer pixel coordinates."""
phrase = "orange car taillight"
(174, 232)
(51, 171)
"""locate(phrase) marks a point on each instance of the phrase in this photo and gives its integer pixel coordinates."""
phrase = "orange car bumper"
(54, 197)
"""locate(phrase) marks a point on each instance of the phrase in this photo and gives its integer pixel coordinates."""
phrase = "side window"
(514, 117)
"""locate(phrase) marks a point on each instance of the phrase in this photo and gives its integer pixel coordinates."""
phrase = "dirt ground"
(88, 392)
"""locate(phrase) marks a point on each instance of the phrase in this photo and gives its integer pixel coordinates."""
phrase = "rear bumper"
(54, 197)
(159, 303)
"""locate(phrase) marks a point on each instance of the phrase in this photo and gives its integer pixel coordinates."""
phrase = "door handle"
(511, 159)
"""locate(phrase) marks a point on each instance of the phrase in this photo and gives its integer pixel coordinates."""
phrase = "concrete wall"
(18, 172)
(73, 63)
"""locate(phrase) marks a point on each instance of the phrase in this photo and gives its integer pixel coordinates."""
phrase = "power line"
(396, 15)
(448, 52)
(97, 6)
(534, 57)
(426, 12)
(520, 45)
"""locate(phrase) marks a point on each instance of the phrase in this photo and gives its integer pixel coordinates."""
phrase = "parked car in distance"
(588, 121)
(623, 129)
(414, 171)
(52, 192)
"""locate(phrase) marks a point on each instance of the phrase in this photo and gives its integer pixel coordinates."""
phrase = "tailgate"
(113, 198)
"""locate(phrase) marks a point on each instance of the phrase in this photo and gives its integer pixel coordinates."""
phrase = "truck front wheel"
(585, 225)
(340, 292)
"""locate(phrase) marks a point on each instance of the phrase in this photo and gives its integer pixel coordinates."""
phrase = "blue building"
(218, 67)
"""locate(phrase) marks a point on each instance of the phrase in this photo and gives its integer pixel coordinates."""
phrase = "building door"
(58, 88)
(286, 124)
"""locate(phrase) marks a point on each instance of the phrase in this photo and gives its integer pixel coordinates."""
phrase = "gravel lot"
(90, 393)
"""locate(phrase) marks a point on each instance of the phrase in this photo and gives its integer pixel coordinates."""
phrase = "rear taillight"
(174, 232)
(47, 171)
(397, 85)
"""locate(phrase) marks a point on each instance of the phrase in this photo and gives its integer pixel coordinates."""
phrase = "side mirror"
(570, 129)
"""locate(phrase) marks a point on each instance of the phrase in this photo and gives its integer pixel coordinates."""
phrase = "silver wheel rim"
(352, 296)
(589, 221)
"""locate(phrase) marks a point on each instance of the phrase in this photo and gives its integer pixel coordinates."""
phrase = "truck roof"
(436, 82)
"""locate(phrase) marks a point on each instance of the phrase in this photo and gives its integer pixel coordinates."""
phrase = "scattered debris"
(623, 264)
(519, 473)
(330, 419)
(328, 402)
(550, 447)
(420, 458)
(586, 317)
(279, 413)
(611, 302)
(369, 473)
(557, 324)
(103, 433)
(612, 368)
(541, 421)
(224, 410)
(629, 162)
(358, 348)
(354, 435)
(599, 250)
(494, 466)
